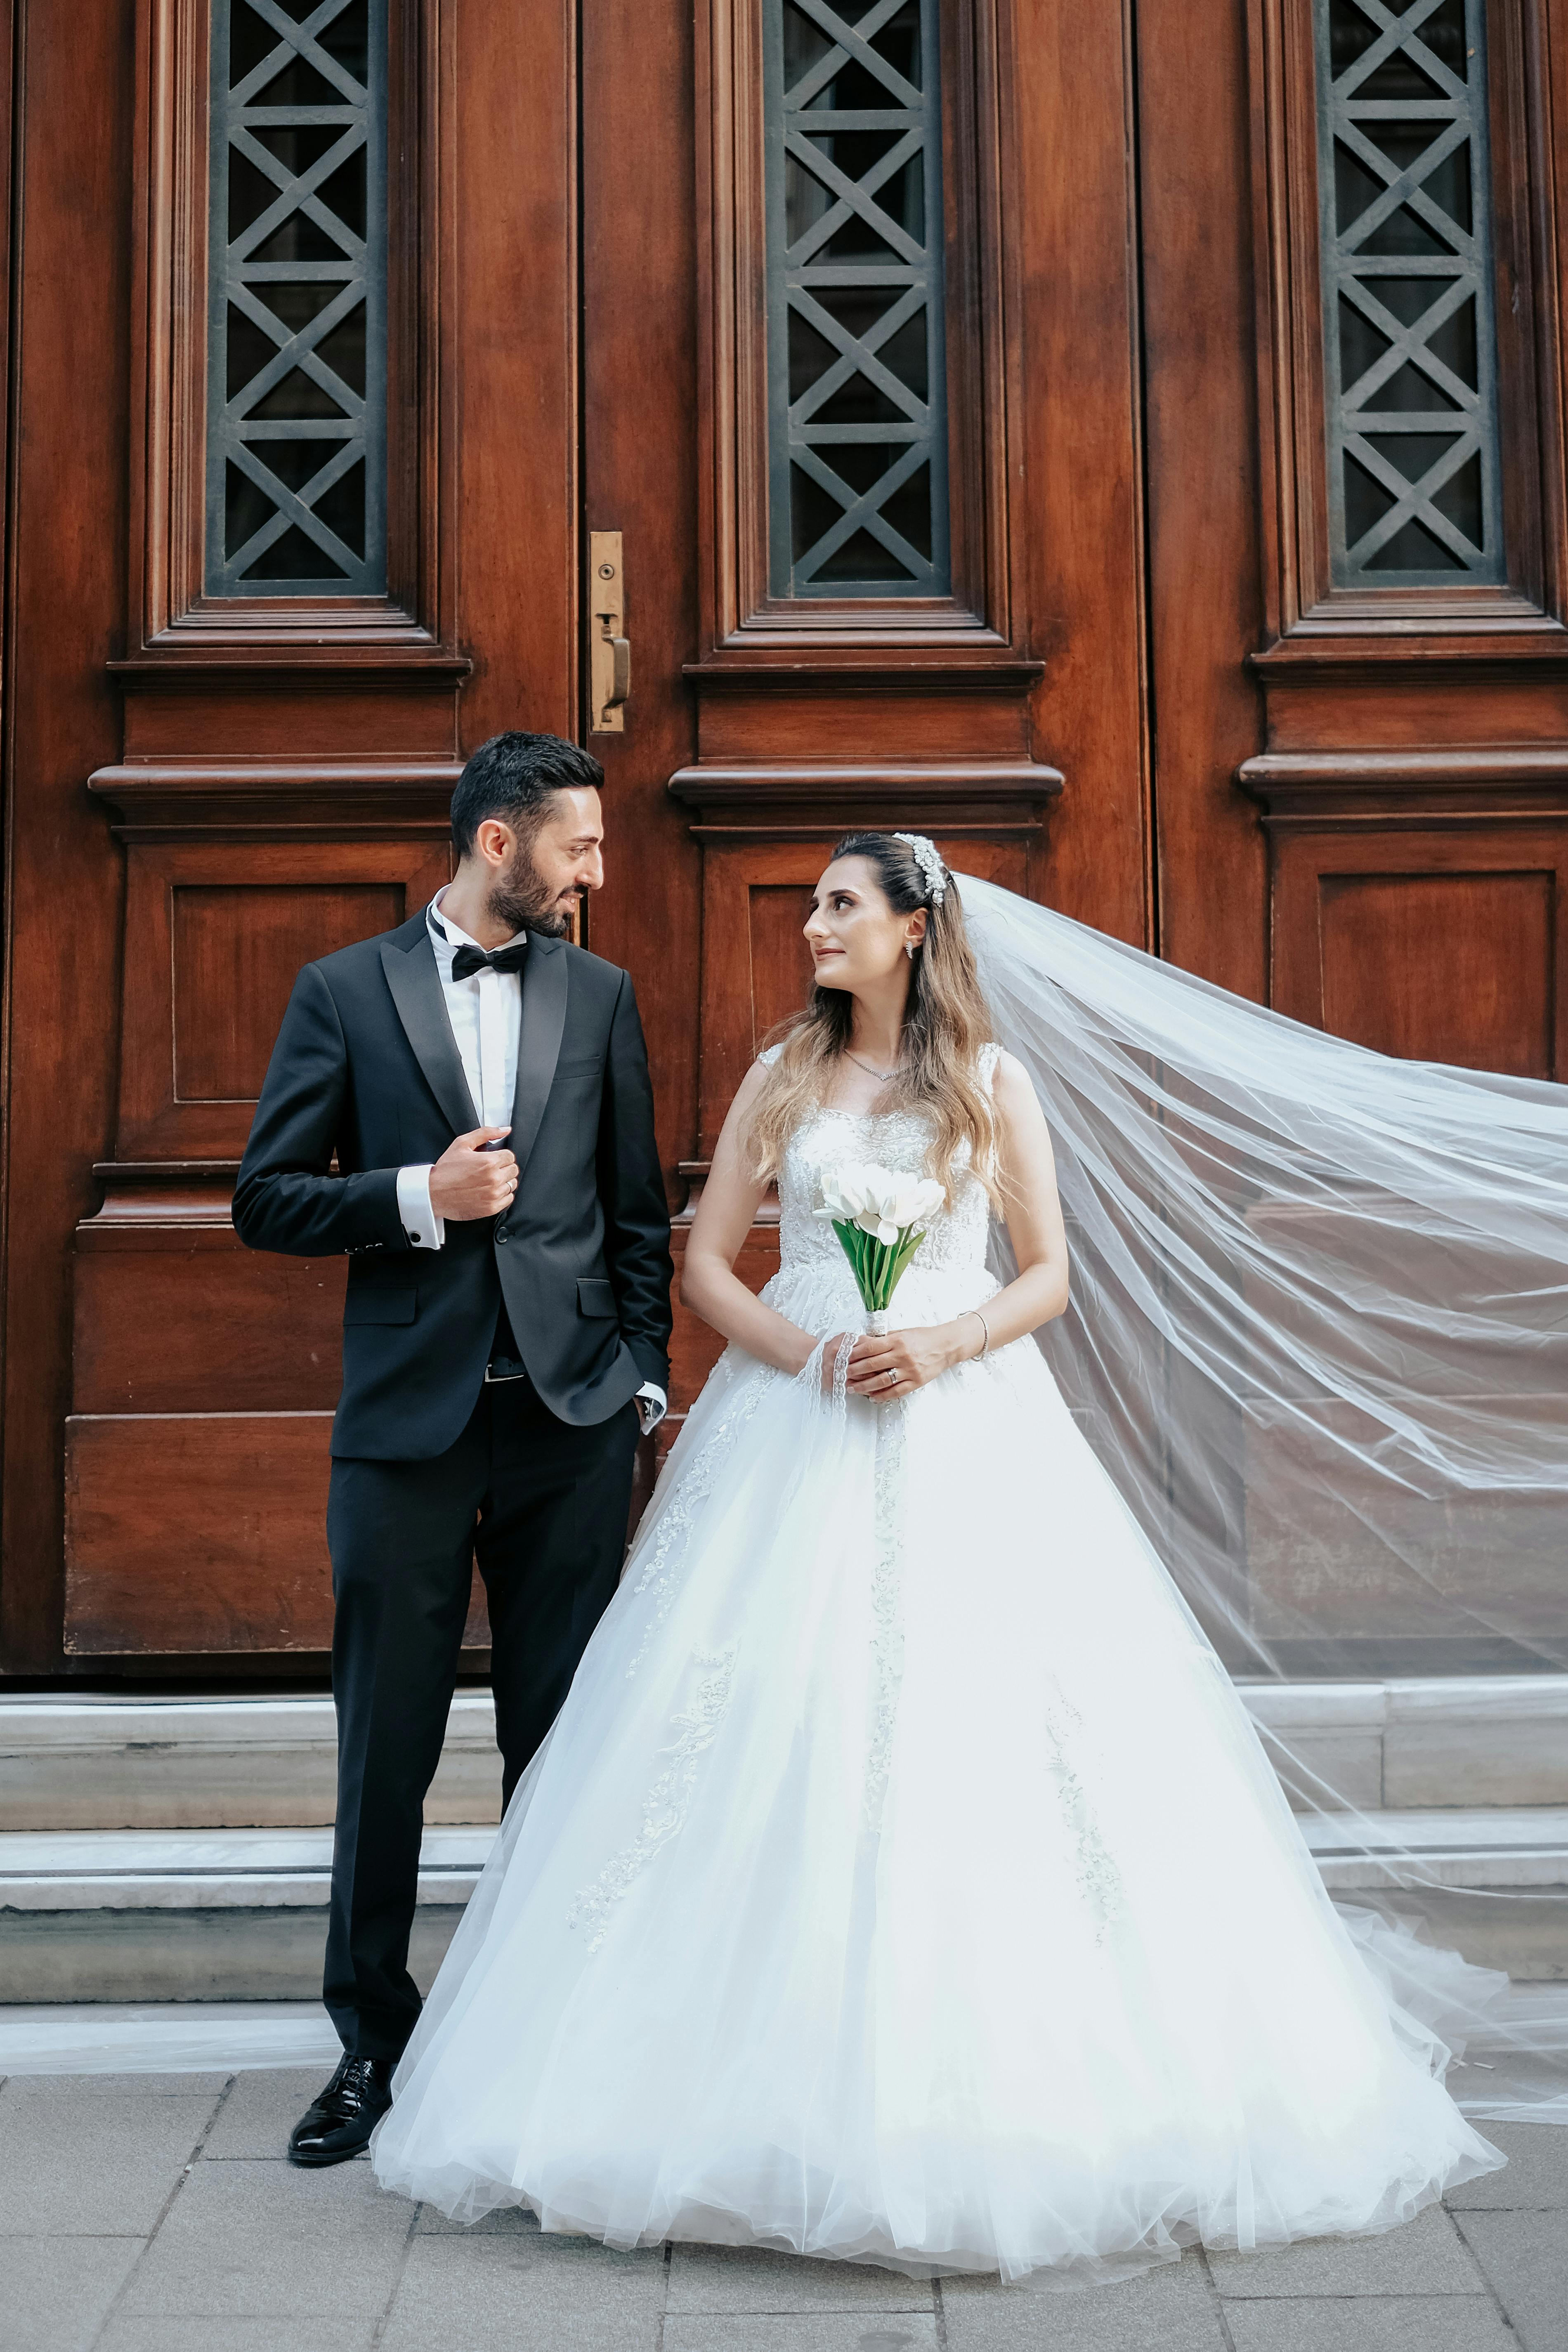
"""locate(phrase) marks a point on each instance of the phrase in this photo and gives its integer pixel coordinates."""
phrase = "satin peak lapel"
(539, 1044)
(416, 986)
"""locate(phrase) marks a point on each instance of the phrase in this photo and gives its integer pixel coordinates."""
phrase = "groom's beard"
(524, 900)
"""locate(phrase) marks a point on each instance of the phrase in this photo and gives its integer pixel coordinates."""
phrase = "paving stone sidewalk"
(155, 2213)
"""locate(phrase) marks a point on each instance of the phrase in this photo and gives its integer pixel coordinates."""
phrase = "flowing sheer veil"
(1318, 1338)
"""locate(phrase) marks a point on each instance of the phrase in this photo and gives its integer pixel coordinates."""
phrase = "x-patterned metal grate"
(296, 477)
(856, 371)
(1410, 345)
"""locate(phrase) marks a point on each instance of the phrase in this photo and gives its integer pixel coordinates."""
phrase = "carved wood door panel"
(830, 309)
(826, 306)
(1021, 420)
(865, 419)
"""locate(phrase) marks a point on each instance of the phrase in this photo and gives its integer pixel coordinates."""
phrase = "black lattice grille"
(295, 500)
(1403, 181)
(858, 433)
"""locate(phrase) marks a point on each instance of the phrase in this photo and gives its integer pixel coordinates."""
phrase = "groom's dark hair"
(512, 777)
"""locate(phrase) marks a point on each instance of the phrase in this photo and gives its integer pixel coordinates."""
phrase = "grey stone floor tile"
(77, 2162)
(263, 2108)
(1449, 2323)
(1525, 2257)
(56, 2290)
(744, 2279)
(214, 2334)
(1425, 2256)
(1536, 2173)
(1171, 2309)
(250, 2239)
(518, 2294)
(95, 2090)
(506, 2221)
(817, 2331)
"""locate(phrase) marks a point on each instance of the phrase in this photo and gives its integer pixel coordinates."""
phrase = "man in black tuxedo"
(463, 1107)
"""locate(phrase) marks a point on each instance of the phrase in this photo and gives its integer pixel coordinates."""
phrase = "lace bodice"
(956, 1236)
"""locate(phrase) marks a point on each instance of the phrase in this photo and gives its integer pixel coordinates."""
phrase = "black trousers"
(543, 1506)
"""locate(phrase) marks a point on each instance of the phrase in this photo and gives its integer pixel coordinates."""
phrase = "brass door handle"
(609, 649)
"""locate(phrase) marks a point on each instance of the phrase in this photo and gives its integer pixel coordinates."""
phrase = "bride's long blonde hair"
(946, 1023)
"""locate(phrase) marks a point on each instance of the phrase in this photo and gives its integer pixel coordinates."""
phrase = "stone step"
(84, 1761)
(192, 1915)
(90, 1762)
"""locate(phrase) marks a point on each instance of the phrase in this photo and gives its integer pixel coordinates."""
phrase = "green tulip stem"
(877, 1264)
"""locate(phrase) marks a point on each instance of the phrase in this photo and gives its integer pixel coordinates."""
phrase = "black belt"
(505, 1363)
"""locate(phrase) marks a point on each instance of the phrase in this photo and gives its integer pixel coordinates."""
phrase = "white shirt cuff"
(424, 1228)
(652, 1406)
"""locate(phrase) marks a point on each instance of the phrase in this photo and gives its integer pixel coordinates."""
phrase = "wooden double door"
(917, 390)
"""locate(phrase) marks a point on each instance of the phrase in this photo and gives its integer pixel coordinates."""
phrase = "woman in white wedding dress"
(903, 1880)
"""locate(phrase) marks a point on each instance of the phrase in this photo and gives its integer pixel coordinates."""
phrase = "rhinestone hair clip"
(928, 857)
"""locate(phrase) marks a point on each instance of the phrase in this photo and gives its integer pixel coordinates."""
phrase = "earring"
(910, 950)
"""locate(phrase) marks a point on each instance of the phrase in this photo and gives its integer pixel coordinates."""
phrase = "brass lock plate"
(609, 647)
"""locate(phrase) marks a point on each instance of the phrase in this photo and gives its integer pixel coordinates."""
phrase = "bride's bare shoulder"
(1012, 1093)
(750, 1087)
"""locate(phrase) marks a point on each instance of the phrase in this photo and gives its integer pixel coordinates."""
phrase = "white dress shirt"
(486, 1014)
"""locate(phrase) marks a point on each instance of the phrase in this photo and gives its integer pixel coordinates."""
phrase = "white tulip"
(882, 1201)
(843, 1193)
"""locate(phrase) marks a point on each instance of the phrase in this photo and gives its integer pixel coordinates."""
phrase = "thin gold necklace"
(884, 1075)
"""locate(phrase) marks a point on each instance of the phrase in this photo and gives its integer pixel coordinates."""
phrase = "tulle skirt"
(903, 1880)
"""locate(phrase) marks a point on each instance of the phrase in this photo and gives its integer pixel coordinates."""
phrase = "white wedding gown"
(903, 1880)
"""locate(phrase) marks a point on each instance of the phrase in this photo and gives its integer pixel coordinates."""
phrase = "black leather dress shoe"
(339, 2122)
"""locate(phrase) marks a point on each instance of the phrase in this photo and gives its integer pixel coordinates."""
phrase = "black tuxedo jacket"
(367, 1070)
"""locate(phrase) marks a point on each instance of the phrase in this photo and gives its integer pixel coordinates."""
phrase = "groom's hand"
(473, 1180)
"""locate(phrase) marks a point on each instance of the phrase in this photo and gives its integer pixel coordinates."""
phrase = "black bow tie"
(469, 961)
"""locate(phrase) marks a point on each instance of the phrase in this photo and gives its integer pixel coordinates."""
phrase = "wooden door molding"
(215, 930)
(199, 1367)
(1412, 789)
(286, 762)
(1439, 941)
(173, 624)
(1419, 902)
(1462, 785)
(283, 788)
(1310, 622)
(983, 618)
(814, 714)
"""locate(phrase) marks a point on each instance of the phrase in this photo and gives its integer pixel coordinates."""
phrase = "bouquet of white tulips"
(879, 1214)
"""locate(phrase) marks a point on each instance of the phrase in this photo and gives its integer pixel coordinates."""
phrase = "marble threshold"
(105, 1760)
(259, 1869)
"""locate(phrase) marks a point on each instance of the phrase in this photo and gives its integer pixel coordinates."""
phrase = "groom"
(462, 1107)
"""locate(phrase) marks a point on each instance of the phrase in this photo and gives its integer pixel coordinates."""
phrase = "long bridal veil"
(1318, 1338)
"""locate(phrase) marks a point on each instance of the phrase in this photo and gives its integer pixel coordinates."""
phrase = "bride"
(902, 1880)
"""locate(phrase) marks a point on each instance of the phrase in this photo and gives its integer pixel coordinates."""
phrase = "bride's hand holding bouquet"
(879, 1215)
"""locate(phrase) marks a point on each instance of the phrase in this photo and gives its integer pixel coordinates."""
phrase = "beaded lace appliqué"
(956, 1239)
(1097, 1875)
(666, 1806)
(667, 1549)
(887, 1606)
